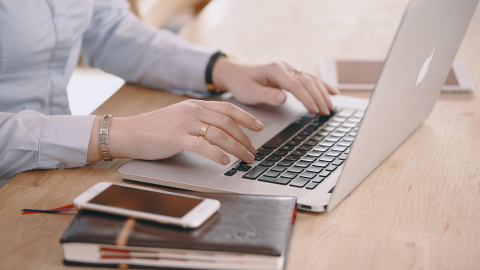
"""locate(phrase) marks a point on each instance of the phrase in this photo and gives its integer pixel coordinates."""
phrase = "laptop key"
(320, 164)
(299, 182)
(344, 130)
(296, 169)
(274, 158)
(298, 152)
(287, 147)
(292, 158)
(281, 180)
(337, 162)
(278, 168)
(284, 135)
(327, 143)
(303, 164)
(290, 175)
(308, 158)
(280, 152)
(271, 173)
(333, 153)
(331, 167)
(344, 143)
(310, 143)
(304, 147)
(259, 157)
(317, 138)
(327, 158)
(324, 173)
(345, 113)
(230, 172)
(267, 163)
(293, 142)
(308, 174)
(339, 148)
(318, 180)
(332, 139)
(349, 138)
(314, 169)
(255, 172)
(285, 163)
(315, 153)
(320, 148)
(311, 185)
(264, 151)
(359, 114)
(242, 166)
(299, 138)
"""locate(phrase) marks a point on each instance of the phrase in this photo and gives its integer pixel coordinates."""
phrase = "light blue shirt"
(40, 44)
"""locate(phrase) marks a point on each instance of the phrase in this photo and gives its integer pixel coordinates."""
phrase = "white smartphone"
(363, 74)
(148, 204)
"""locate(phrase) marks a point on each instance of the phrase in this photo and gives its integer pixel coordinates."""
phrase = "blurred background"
(89, 87)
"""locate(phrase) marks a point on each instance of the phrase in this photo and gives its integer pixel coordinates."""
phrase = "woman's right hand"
(168, 131)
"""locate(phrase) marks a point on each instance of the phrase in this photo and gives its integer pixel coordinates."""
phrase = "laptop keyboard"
(304, 153)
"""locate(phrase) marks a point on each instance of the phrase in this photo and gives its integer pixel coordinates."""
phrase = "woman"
(40, 44)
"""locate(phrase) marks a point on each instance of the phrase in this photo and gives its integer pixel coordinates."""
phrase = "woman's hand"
(264, 83)
(176, 128)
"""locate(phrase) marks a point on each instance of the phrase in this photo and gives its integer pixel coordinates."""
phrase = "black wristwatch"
(213, 89)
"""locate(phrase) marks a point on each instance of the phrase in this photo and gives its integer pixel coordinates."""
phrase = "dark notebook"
(248, 232)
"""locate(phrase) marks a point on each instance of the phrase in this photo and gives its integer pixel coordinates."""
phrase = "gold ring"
(203, 130)
(297, 72)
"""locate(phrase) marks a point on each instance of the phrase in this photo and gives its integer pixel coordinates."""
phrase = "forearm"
(122, 45)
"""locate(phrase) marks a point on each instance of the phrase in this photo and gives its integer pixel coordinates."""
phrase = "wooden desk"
(418, 210)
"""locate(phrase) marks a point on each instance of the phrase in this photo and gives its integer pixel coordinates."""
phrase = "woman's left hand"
(255, 84)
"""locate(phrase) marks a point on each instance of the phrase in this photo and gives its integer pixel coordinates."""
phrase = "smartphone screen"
(146, 201)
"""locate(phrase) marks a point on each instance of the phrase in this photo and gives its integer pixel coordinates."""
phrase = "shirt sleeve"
(31, 140)
(119, 43)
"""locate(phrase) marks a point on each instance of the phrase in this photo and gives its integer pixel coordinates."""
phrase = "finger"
(326, 95)
(332, 90)
(315, 92)
(299, 91)
(223, 140)
(204, 148)
(322, 91)
(268, 95)
(238, 115)
(284, 79)
(226, 124)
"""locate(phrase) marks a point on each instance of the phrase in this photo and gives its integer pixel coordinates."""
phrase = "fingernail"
(225, 160)
(326, 111)
(249, 157)
(258, 124)
(280, 97)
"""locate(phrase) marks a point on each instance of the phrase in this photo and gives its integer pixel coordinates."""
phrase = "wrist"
(222, 69)
(93, 151)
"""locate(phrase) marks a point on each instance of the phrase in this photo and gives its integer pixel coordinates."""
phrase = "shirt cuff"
(64, 141)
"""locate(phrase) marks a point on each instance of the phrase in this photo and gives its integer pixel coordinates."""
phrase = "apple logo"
(424, 69)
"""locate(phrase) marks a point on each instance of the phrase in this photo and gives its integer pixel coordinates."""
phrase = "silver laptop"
(321, 160)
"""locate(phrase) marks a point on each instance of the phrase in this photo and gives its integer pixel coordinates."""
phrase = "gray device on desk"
(325, 167)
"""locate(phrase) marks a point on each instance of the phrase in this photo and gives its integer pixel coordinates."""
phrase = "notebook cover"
(245, 223)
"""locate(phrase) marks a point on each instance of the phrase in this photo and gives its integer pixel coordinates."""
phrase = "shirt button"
(61, 165)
